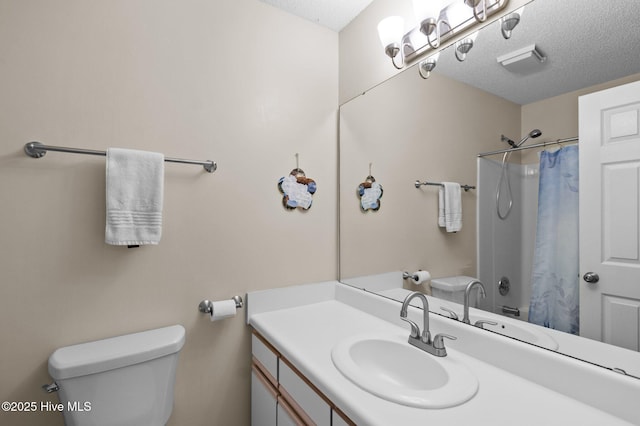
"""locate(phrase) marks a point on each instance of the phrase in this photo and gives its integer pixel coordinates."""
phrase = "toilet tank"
(452, 289)
(124, 380)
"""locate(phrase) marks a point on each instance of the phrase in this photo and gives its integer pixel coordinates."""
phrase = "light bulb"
(390, 31)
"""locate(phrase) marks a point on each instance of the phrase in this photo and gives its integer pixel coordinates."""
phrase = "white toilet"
(452, 289)
(124, 380)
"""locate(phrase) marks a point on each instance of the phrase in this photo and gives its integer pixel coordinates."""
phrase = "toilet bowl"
(124, 380)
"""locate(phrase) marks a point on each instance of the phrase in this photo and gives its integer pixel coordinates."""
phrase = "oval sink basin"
(391, 368)
(527, 334)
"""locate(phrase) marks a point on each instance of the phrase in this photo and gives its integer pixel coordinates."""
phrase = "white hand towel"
(135, 186)
(441, 219)
(450, 206)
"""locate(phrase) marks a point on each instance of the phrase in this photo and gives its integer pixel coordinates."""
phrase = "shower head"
(503, 138)
(532, 134)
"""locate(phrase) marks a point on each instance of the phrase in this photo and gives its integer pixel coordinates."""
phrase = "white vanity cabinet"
(282, 396)
(264, 400)
(287, 416)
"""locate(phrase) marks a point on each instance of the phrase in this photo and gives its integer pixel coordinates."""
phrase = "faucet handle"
(451, 313)
(415, 330)
(481, 323)
(438, 342)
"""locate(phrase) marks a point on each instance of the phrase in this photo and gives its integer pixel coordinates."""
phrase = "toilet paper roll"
(222, 309)
(420, 277)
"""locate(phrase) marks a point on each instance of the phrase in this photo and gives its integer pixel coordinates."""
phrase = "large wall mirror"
(433, 130)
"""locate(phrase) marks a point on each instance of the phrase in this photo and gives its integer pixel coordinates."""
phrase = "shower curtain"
(555, 278)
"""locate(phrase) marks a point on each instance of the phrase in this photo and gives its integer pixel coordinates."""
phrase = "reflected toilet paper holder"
(406, 276)
(206, 306)
(417, 277)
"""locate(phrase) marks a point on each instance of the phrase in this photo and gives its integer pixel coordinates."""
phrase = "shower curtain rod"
(537, 145)
(38, 150)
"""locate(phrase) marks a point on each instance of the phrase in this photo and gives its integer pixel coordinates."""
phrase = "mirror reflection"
(473, 122)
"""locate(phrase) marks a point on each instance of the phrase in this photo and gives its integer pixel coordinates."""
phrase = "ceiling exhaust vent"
(523, 61)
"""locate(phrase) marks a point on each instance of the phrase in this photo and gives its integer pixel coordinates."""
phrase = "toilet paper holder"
(206, 305)
(417, 277)
(406, 276)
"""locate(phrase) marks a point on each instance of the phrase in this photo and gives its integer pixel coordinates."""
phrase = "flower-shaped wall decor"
(370, 193)
(297, 190)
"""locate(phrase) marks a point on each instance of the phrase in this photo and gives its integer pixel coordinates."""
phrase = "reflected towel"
(450, 207)
(135, 186)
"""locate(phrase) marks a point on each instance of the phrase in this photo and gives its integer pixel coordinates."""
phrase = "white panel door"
(609, 134)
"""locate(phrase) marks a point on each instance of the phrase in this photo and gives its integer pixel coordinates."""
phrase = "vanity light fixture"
(428, 14)
(509, 22)
(438, 21)
(390, 31)
(426, 66)
(458, 14)
(463, 46)
(478, 5)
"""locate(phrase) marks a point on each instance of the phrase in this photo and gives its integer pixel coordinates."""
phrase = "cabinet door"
(263, 400)
(286, 415)
(281, 395)
(339, 419)
(300, 395)
(266, 356)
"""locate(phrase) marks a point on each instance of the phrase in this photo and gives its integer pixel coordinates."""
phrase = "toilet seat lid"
(115, 352)
(455, 283)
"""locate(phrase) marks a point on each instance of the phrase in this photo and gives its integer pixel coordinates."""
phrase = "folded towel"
(450, 207)
(441, 220)
(135, 185)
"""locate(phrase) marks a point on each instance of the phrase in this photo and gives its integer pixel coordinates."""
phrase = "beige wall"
(195, 79)
(414, 129)
(557, 117)
(363, 63)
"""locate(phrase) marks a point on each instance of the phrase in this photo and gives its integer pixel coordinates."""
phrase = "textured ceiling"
(586, 42)
(333, 14)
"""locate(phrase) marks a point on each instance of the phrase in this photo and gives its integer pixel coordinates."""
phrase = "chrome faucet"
(423, 340)
(415, 330)
(467, 291)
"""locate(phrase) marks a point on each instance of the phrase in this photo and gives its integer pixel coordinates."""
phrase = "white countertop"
(306, 334)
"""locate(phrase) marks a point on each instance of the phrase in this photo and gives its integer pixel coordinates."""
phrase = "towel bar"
(466, 188)
(38, 150)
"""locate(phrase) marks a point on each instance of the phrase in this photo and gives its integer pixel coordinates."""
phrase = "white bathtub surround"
(505, 247)
(516, 380)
